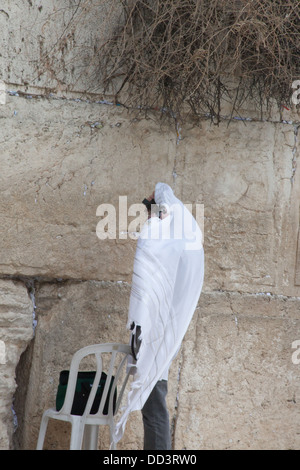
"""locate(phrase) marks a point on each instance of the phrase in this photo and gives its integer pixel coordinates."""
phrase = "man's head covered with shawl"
(166, 285)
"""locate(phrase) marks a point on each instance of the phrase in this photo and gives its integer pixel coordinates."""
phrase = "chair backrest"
(114, 369)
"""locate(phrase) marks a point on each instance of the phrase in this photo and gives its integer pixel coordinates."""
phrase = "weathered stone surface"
(40, 42)
(57, 169)
(297, 270)
(246, 188)
(70, 316)
(62, 155)
(238, 387)
(232, 385)
(16, 331)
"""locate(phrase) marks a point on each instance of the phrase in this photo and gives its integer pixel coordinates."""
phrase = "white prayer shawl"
(166, 284)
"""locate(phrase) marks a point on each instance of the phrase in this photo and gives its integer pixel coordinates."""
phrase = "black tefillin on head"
(148, 203)
(149, 207)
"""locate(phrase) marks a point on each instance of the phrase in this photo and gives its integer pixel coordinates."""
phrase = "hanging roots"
(191, 56)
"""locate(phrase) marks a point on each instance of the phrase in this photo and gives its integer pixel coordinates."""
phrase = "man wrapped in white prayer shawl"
(166, 284)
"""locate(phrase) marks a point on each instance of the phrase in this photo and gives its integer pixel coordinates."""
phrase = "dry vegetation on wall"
(184, 54)
(181, 56)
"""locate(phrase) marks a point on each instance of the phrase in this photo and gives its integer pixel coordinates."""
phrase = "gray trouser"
(156, 419)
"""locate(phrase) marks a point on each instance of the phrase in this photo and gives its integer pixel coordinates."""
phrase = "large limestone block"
(239, 385)
(233, 384)
(243, 175)
(16, 331)
(53, 44)
(58, 167)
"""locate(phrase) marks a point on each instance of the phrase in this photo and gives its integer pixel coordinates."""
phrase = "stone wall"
(234, 383)
(16, 322)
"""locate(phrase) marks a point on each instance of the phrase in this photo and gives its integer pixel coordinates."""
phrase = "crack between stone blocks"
(30, 283)
(294, 152)
(176, 406)
(234, 314)
(55, 280)
(174, 174)
(80, 97)
(268, 295)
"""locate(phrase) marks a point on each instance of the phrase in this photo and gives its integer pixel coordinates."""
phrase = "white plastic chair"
(84, 433)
